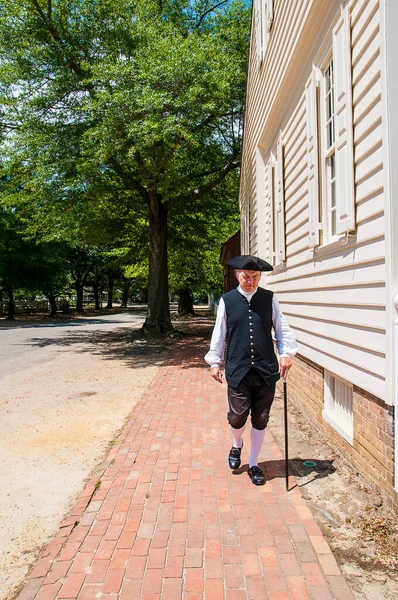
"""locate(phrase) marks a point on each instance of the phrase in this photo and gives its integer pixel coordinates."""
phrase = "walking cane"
(286, 435)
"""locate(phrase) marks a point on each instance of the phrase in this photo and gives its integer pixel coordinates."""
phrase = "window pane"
(334, 221)
(329, 134)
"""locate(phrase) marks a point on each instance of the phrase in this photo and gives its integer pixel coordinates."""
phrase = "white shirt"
(285, 342)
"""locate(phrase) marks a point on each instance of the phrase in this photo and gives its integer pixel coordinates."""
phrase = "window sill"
(347, 240)
(279, 267)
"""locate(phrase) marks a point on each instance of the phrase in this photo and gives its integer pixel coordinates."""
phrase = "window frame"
(325, 231)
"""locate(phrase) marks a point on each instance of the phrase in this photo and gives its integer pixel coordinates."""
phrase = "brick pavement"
(165, 518)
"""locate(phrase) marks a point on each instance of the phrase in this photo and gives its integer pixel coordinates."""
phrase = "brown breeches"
(252, 396)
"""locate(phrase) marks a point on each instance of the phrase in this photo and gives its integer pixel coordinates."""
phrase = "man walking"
(245, 319)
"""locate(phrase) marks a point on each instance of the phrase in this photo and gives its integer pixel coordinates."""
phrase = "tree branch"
(202, 17)
(76, 68)
(233, 164)
(132, 183)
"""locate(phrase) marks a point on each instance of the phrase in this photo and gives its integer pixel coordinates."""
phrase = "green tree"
(15, 258)
(195, 245)
(137, 103)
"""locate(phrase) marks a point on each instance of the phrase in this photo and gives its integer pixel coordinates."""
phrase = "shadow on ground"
(124, 344)
(274, 469)
(42, 320)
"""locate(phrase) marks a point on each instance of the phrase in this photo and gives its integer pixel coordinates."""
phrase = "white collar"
(245, 294)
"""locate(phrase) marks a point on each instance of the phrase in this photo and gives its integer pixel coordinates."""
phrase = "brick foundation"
(372, 453)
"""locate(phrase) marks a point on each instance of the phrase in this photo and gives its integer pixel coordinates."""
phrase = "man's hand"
(284, 365)
(215, 372)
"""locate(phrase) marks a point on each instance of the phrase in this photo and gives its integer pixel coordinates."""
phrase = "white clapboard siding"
(300, 230)
(363, 273)
(366, 316)
(369, 294)
(296, 151)
(333, 296)
(362, 358)
(361, 16)
(297, 203)
(371, 380)
(368, 78)
(371, 253)
(366, 209)
(367, 118)
(363, 338)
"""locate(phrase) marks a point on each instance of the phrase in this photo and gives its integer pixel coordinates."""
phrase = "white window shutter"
(270, 211)
(345, 196)
(280, 204)
(258, 30)
(312, 159)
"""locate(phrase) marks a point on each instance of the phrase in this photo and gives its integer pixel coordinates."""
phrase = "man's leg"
(262, 399)
(237, 435)
(256, 439)
(239, 409)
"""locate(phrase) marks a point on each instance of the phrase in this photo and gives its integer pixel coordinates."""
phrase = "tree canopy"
(130, 109)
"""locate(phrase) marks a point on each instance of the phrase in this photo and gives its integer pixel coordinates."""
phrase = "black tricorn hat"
(249, 263)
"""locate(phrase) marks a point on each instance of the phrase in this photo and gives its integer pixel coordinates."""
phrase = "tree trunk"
(97, 296)
(11, 311)
(185, 303)
(158, 315)
(111, 281)
(53, 305)
(125, 293)
(79, 298)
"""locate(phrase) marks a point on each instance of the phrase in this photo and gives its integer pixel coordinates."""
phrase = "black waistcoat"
(249, 337)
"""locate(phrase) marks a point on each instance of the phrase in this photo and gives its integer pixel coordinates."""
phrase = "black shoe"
(234, 457)
(256, 475)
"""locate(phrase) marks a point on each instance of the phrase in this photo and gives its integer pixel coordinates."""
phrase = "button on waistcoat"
(249, 336)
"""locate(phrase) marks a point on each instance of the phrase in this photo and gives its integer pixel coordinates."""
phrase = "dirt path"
(57, 421)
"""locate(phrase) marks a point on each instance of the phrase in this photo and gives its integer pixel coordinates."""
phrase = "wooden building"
(318, 200)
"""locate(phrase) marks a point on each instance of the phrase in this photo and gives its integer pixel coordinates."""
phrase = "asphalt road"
(23, 345)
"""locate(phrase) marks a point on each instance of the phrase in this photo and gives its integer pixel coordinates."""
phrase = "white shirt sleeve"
(285, 342)
(215, 355)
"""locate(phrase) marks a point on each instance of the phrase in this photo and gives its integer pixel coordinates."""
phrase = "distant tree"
(16, 266)
(82, 259)
(51, 271)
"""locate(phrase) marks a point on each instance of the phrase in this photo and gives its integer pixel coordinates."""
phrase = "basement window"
(338, 406)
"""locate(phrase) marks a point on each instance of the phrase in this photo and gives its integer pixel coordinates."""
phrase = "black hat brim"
(246, 262)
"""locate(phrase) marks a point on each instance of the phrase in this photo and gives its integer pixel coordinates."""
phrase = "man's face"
(248, 280)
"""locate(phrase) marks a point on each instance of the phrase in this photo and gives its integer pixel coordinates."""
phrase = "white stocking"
(256, 438)
(237, 435)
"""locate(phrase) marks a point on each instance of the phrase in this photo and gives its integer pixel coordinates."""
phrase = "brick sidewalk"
(165, 518)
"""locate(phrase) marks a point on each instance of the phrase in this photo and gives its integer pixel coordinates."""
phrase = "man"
(245, 319)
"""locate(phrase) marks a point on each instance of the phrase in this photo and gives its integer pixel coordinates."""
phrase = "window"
(330, 155)
(263, 19)
(338, 406)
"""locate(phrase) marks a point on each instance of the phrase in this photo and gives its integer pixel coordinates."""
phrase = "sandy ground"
(57, 422)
